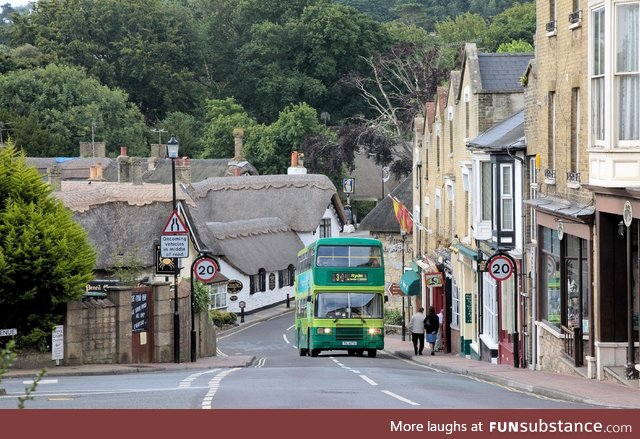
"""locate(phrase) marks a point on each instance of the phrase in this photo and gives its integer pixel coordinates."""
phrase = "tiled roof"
(502, 71)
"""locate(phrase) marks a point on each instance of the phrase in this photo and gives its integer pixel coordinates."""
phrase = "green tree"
(454, 33)
(515, 23)
(519, 46)
(46, 258)
(222, 117)
(187, 129)
(52, 109)
(150, 48)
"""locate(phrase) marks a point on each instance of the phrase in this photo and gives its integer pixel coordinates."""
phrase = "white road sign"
(500, 267)
(174, 246)
(8, 332)
(205, 269)
(57, 343)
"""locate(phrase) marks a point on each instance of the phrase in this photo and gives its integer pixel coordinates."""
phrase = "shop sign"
(433, 279)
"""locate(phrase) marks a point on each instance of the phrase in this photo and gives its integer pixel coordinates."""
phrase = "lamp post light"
(172, 152)
(204, 253)
(404, 237)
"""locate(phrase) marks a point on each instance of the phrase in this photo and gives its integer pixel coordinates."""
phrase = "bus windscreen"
(348, 305)
(348, 256)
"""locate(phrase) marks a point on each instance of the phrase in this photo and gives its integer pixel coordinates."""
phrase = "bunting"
(403, 215)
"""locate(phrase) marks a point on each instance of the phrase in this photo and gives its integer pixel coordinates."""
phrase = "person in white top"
(417, 331)
(438, 346)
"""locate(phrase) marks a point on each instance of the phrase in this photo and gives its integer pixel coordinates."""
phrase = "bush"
(392, 316)
(222, 318)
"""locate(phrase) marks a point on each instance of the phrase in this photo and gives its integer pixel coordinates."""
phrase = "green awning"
(410, 283)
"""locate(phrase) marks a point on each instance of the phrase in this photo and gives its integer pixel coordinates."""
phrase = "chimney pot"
(123, 151)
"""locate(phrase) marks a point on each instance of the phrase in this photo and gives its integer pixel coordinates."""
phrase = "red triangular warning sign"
(175, 225)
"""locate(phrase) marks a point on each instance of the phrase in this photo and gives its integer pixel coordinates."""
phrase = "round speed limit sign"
(206, 269)
(500, 267)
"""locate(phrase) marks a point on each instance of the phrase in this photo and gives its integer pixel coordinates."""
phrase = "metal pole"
(516, 341)
(176, 314)
(630, 368)
(403, 310)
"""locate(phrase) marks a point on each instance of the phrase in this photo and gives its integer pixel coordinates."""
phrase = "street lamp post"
(204, 253)
(404, 237)
(172, 152)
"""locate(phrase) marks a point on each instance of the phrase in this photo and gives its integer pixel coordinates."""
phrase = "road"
(279, 379)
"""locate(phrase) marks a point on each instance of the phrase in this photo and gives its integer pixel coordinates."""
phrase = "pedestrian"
(417, 331)
(439, 335)
(431, 323)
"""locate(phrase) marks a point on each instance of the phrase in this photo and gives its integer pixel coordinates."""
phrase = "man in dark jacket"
(431, 324)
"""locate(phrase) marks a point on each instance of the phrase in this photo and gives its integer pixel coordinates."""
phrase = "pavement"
(546, 384)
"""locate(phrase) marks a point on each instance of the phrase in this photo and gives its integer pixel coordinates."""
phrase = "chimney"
(136, 170)
(92, 172)
(55, 178)
(238, 134)
(183, 170)
(124, 166)
(99, 171)
(159, 150)
(297, 165)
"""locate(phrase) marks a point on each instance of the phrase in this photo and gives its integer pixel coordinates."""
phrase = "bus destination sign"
(349, 277)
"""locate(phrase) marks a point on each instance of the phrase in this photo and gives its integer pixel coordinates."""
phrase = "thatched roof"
(80, 196)
(253, 244)
(382, 218)
(119, 230)
(298, 200)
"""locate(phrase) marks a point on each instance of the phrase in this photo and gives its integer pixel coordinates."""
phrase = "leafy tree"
(150, 48)
(51, 109)
(187, 129)
(45, 256)
(403, 79)
(515, 23)
(454, 33)
(222, 117)
(519, 46)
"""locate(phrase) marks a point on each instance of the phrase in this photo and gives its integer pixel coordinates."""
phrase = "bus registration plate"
(349, 343)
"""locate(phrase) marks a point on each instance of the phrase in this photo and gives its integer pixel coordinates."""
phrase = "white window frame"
(533, 194)
(490, 311)
(506, 195)
(598, 79)
(218, 296)
(455, 304)
(618, 76)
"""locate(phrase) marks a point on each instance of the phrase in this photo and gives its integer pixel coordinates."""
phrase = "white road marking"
(261, 362)
(214, 384)
(220, 353)
(285, 338)
(191, 378)
(400, 398)
(369, 380)
(29, 382)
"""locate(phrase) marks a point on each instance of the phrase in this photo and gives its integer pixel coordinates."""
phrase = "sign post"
(204, 268)
(501, 266)
(57, 344)
(174, 243)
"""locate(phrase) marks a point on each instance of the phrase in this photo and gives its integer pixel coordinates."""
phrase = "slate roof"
(506, 134)
(298, 200)
(368, 179)
(500, 72)
(382, 217)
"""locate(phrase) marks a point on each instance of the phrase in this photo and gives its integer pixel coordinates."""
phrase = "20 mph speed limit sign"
(205, 269)
(500, 267)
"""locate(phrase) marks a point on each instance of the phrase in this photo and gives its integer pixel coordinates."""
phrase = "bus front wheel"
(315, 352)
(372, 353)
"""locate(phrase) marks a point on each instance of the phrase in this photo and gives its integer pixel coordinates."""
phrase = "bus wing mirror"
(308, 298)
(386, 298)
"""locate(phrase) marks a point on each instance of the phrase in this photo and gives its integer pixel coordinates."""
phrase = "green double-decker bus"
(339, 297)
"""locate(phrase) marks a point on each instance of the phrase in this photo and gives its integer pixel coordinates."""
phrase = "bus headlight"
(374, 331)
(324, 330)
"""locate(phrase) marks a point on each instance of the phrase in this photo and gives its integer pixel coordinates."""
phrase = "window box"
(551, 28)
(550, 176)
(575, 19)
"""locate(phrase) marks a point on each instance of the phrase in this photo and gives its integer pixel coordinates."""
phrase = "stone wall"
(551, 357)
